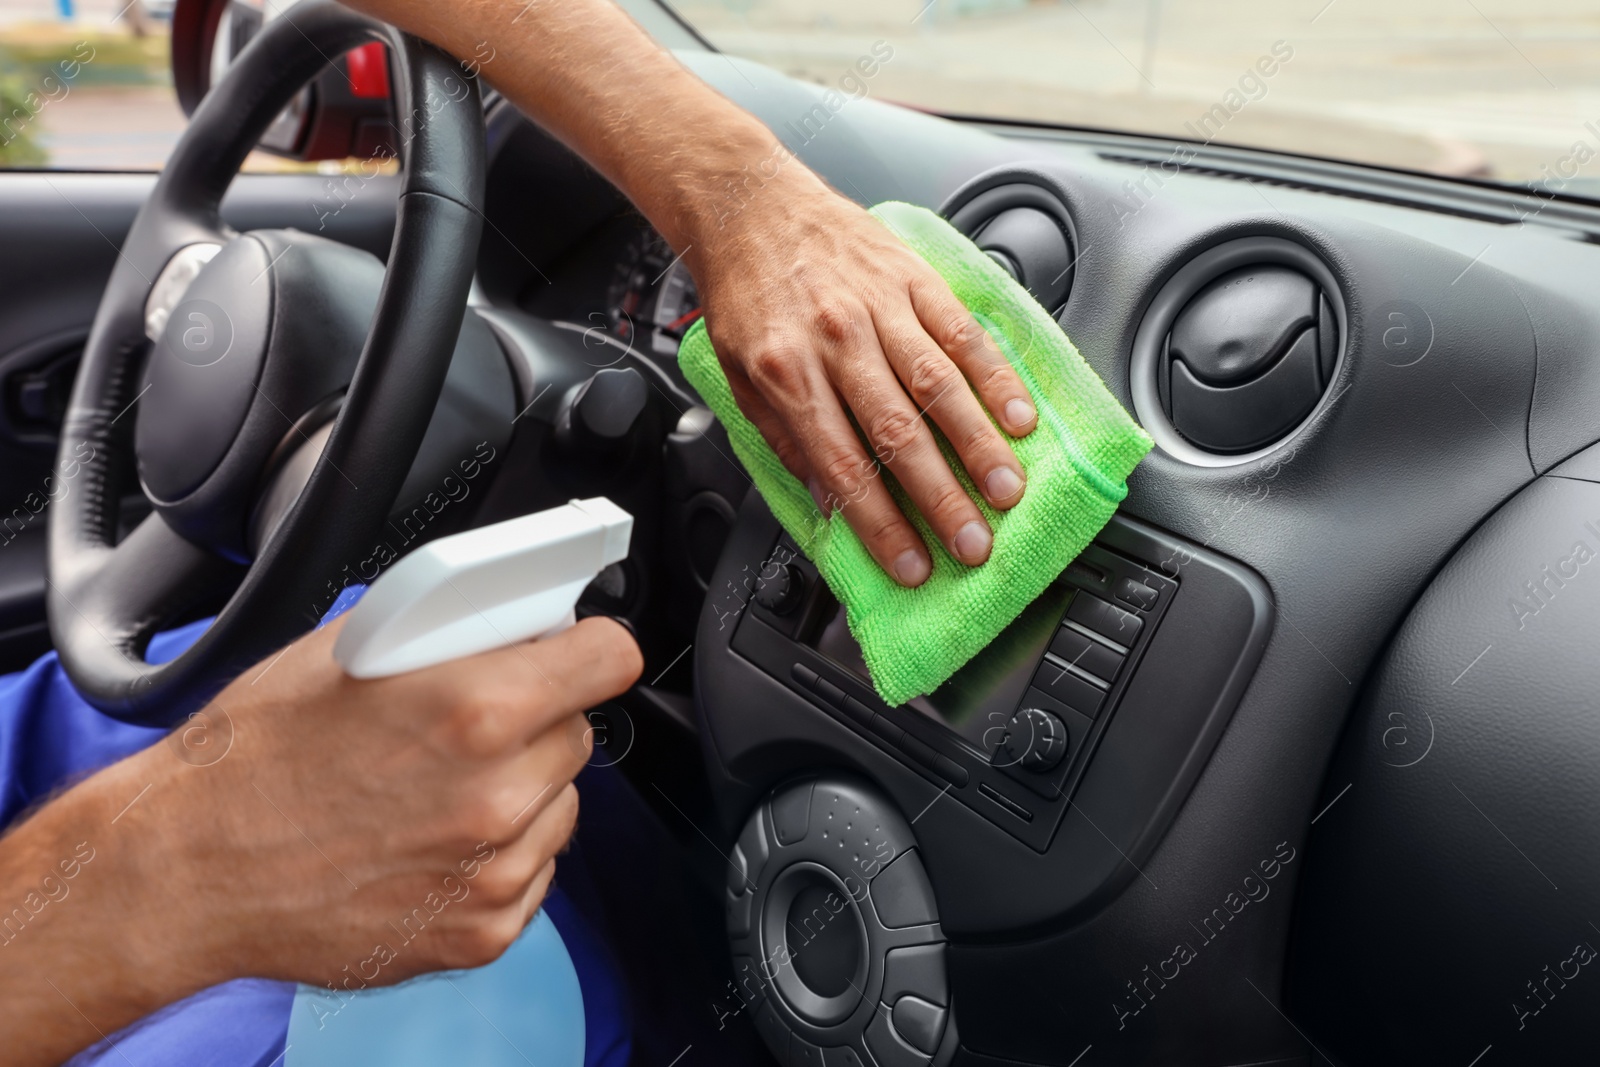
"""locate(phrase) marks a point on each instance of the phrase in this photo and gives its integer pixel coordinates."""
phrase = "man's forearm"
(589, 75)
(85, 949)
(823, 320)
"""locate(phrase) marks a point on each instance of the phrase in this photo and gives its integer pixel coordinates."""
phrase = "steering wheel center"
(253, 357)
(202, 372)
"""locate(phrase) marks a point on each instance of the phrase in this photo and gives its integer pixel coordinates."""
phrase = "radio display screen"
(984, 693)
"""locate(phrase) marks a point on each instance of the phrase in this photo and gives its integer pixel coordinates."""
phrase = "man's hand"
(818, 312)
(815, 308)
(354, 833)
(361, 798)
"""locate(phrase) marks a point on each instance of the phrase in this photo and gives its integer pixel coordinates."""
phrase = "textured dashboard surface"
(1455, 875)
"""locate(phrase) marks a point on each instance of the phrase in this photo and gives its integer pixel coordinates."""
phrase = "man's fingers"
(538, 889)
(536, 851)
(974, 352)
(518, 857)
(843, 477)
(940, 391)
(771, 427)
(849, 481)
(512, 694)
(899, 437)
(593, 661)
(538, 774)
(511, 884)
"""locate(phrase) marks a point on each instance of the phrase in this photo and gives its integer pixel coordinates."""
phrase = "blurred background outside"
(1485, 88)
(1502, 89)
(87, 85)
(116, 112)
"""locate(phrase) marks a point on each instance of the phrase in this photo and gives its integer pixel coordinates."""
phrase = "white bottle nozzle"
(482, 589)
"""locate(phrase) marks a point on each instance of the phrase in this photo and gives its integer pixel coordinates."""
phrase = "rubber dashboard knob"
(1035, 739)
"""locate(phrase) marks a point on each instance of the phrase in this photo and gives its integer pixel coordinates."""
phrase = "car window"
(1507, 90)
(87, 85)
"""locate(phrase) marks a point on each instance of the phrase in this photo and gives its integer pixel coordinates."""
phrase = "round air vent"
(1238, 350)
(1026, 229)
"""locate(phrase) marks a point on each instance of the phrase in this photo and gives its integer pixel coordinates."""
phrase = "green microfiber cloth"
(1077, 460)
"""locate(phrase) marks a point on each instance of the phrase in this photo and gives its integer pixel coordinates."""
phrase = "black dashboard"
(1201, 869)
(625, 280)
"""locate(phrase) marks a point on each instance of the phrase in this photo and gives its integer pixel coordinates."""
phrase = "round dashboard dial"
(652, 299)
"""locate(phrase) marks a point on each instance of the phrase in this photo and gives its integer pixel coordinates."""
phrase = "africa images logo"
(199, 333)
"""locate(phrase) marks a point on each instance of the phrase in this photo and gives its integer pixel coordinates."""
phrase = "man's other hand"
(360, 832)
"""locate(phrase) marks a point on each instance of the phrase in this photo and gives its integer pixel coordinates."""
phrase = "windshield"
(1501, 89)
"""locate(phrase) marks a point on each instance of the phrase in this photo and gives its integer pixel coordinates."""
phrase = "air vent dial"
(1247, 358)
(1238, 351)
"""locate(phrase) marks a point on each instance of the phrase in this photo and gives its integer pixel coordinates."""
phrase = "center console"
(1010, 733)
(1020, 796)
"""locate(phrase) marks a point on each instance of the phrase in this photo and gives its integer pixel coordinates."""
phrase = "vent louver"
(1237, 350)
(1026, 229)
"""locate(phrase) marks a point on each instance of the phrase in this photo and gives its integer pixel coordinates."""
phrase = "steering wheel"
(239, 374)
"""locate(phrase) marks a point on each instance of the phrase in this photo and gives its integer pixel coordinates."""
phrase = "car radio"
(1012, 731)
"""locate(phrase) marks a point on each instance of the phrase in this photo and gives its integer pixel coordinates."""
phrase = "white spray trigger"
(483, 589)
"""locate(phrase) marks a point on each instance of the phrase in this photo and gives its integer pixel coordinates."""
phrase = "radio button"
(918, 751)
(1138, 594)
(858, 711)
(950, 771)
(885, 728)
(1105, 619)
(1068, 688)
(1091, 656)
